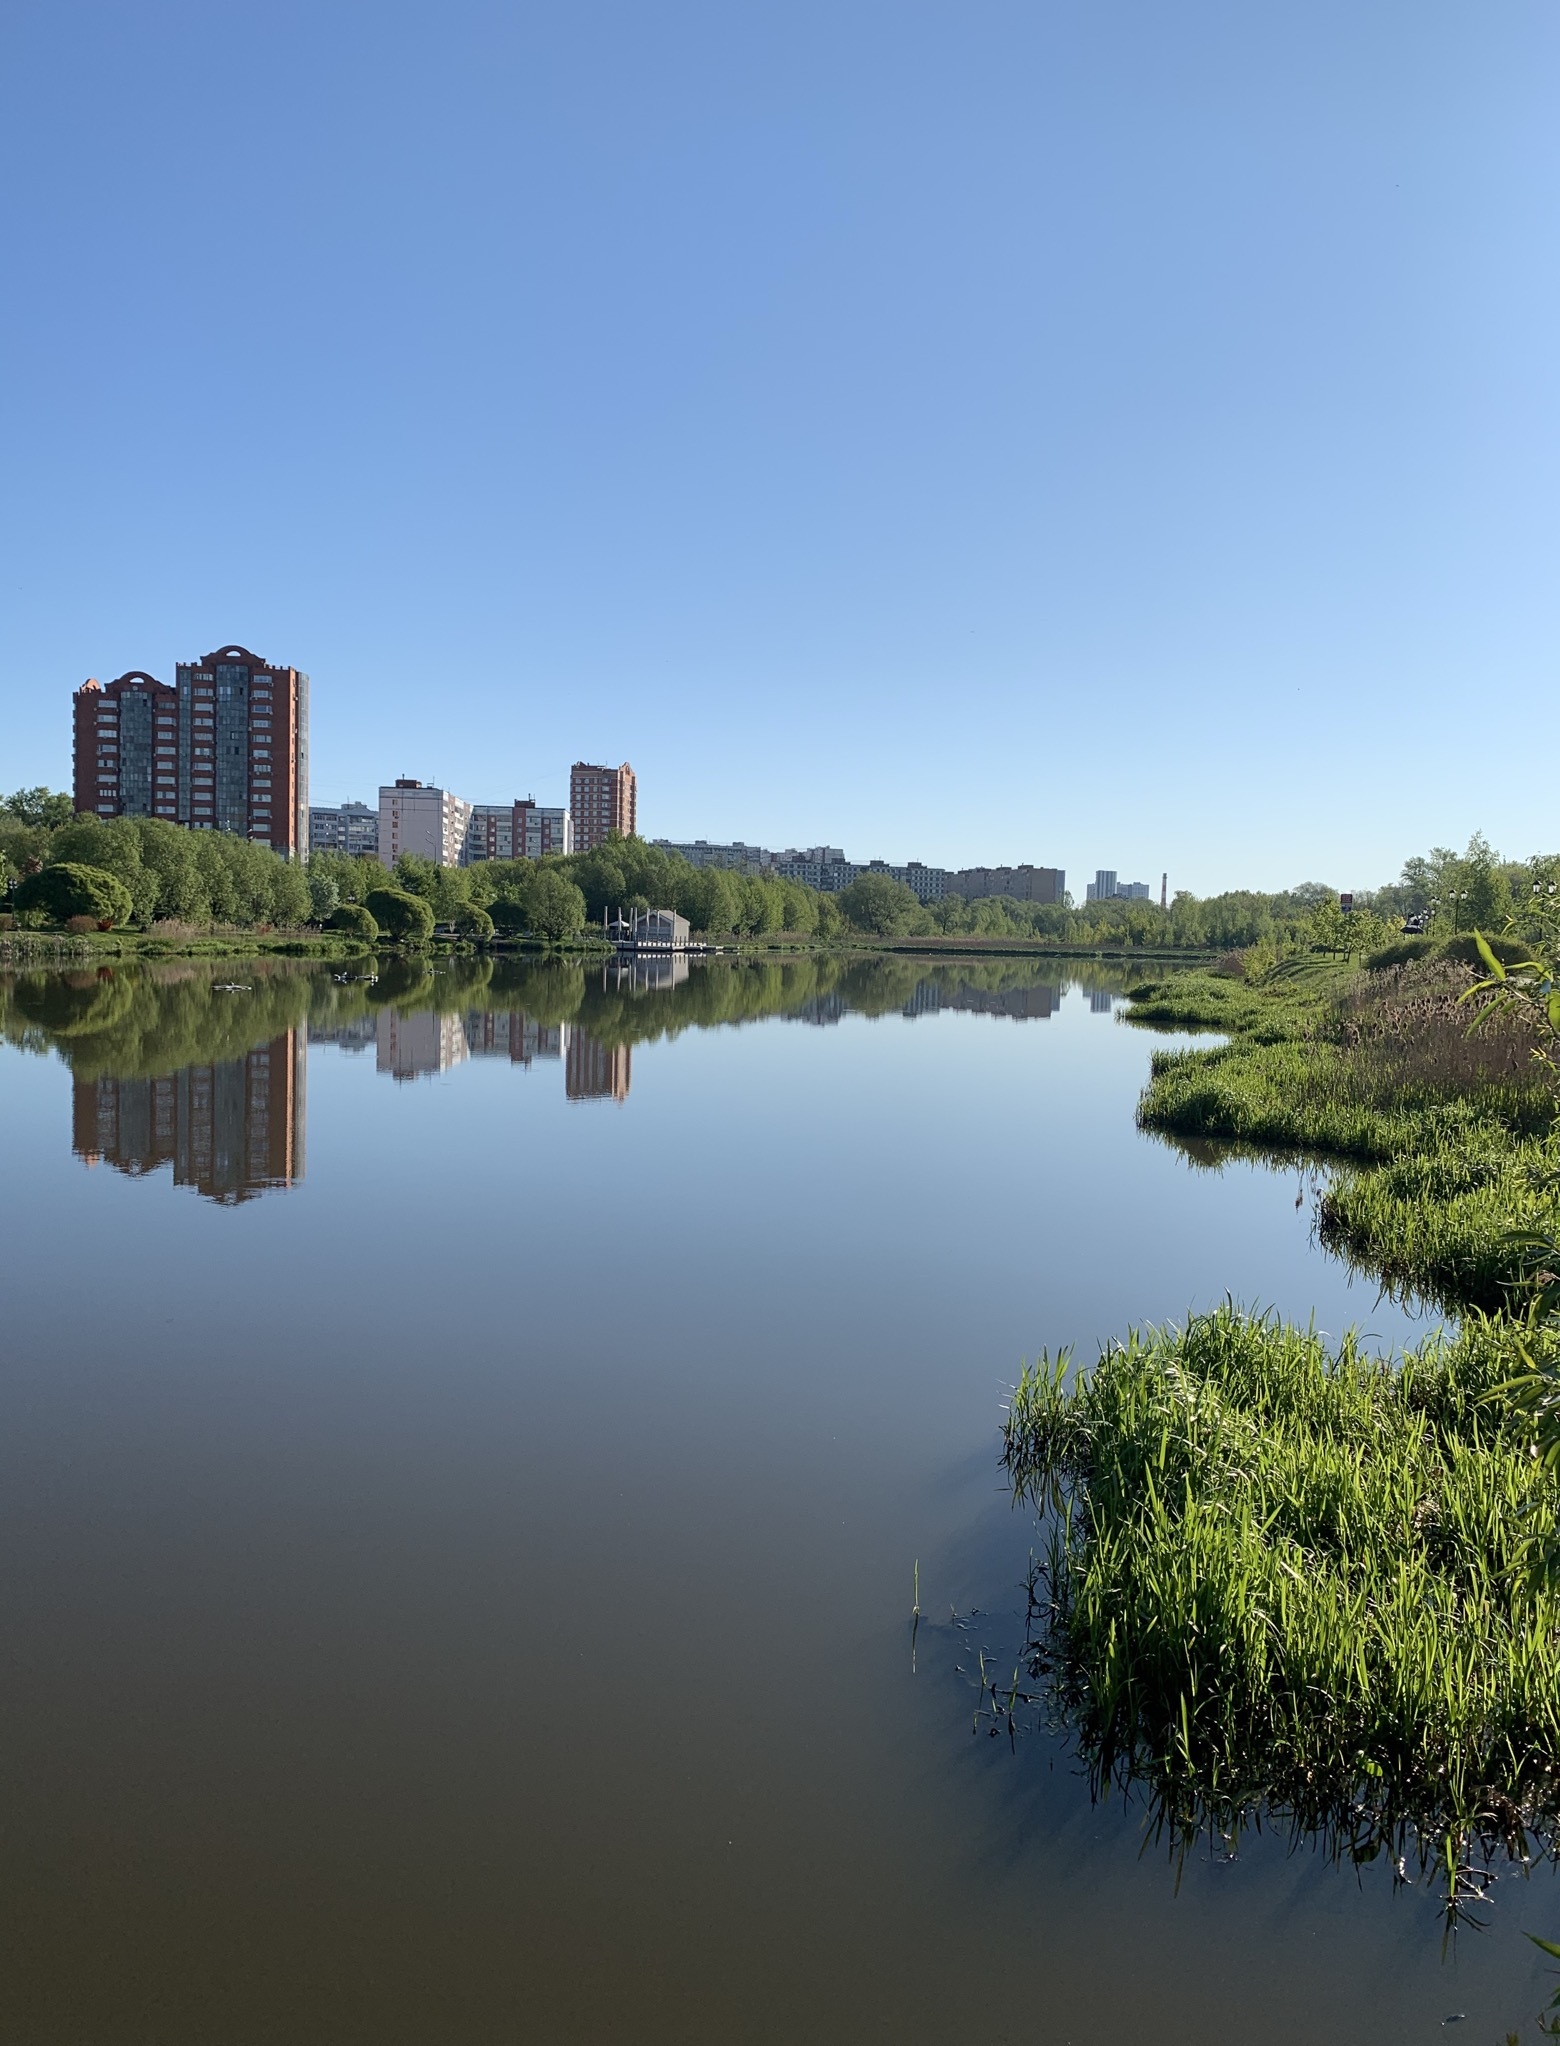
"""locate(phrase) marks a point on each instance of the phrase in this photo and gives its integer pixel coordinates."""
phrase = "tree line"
(168, 873)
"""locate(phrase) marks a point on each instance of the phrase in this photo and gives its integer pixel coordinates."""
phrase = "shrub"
(353, 918)
(510, 917)
(70, 889)
(1399, 954)
(473, 922)
(79, 926)
(404, 917)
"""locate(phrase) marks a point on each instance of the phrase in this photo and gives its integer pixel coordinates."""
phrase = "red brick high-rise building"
(602, 799)
(226, 749)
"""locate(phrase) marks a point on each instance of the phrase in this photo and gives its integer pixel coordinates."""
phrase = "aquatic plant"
(1287, 1578)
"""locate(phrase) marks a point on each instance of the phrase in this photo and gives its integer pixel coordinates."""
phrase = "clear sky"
(1097, 434)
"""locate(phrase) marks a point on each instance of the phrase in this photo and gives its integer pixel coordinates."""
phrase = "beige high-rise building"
(602, 799)
(426, 821)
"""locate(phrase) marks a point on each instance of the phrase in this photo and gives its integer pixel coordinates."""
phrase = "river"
(466, 1442)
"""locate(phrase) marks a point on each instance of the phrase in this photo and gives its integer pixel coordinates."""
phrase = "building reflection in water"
(1024, 1004)
(593, 1071)
(424, 1043)
(232, 1130)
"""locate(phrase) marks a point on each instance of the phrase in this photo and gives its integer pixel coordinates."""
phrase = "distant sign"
(1346, 903)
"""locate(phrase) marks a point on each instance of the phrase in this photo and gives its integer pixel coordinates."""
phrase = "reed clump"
(1289, 1578)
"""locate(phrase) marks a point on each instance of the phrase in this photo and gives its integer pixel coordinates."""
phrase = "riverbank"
(1286, 1578)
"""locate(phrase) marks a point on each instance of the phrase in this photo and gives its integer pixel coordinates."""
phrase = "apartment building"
(1106, 888)
(225, 749)
(927, 884)
(428, 822)
(351, 828)
(602, 800)
(736, 858)
(1022, 884)
(524, 830)
(823, 867)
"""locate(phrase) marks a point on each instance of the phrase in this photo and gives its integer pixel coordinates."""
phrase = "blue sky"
(1102, 434)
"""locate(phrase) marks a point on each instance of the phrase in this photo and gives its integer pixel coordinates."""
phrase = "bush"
(510, 917)
(406, 918)
(72, 890)
(1399, 954)
(473, 922)
(79, 926)
(1464, 948)
(353, 918)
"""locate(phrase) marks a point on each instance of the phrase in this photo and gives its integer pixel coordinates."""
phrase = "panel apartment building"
(350, 828)
(225, 749)
(601, 800)
(428, 822)
(525, 830)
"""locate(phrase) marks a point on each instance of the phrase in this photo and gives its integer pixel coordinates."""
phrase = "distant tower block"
(1164, 891)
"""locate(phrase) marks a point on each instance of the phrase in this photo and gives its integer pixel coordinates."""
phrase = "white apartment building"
(351, 828)
(429, 822)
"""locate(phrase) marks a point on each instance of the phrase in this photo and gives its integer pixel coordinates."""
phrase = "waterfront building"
(428, 822)
(225, 749)
(653, 930)
(231, 1130)
(602, 800)
(1021, 884)
(350, 828)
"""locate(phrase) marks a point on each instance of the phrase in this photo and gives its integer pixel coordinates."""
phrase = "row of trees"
(210, 877)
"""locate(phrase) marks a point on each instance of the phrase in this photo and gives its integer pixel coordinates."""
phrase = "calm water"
(464, 1448)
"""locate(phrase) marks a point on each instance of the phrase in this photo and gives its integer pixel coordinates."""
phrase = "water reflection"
(184, 1067)
(232, 1130)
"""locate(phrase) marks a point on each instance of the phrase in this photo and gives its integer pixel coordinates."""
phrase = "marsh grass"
(1291, 1580)
(1450, 1129)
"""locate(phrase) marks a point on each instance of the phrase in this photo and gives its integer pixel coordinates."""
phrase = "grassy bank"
(1447, 1136)
(1287, 1577)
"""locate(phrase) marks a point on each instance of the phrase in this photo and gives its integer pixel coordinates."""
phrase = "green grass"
(1291, 1578)
(1447, 1133)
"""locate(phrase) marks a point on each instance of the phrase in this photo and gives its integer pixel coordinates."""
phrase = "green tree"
(324, 896)
(554, 906)
(880, 904)
(71, 889)
(114, 844)
(405, 917)
(473, 922)
(40, 809)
